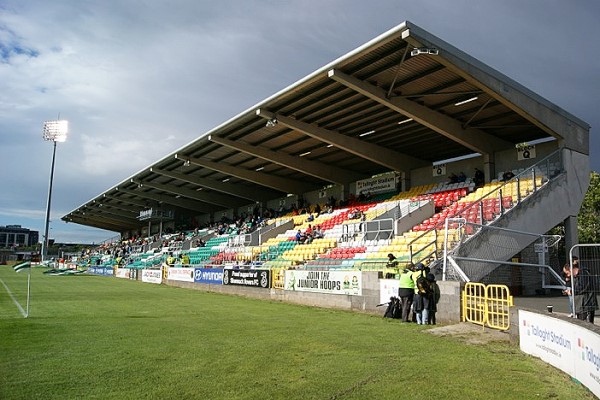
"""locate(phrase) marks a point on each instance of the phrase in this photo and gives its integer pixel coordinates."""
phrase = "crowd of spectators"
(171, 241)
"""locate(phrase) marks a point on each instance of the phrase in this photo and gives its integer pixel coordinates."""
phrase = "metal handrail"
(498, 191)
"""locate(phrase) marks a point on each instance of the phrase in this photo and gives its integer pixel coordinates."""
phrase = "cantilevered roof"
(399, 102)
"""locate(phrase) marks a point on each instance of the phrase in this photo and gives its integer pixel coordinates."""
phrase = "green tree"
(588, 220)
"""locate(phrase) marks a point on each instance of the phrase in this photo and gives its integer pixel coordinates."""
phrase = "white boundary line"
(13, 299)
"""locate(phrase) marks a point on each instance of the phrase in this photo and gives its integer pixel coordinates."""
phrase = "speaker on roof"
(424, 50)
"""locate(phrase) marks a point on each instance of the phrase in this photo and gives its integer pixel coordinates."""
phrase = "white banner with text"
(332, 282)
(566, 346)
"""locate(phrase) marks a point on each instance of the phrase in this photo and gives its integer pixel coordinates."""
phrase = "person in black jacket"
(584, 293)
(435, 298)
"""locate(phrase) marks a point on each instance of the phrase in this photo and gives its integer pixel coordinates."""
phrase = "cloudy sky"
(138, 79)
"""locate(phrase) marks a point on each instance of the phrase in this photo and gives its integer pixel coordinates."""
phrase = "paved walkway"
(560, 304)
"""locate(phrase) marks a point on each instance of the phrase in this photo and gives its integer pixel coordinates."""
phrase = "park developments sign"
(181, 274)
(569, 347)
(332, 282)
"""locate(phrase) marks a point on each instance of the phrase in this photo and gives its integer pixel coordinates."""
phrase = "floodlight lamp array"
(56, 130)
(424, 50)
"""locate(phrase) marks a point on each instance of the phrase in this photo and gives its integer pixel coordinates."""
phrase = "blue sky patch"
(10, 50)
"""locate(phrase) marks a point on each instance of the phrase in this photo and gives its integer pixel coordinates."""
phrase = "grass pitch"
(92, 337)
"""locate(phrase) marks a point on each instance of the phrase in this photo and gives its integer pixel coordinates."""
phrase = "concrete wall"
(408, 221)
(311, 198)
(449, 307)
(503, 161)
(514, 322)
(507, 160)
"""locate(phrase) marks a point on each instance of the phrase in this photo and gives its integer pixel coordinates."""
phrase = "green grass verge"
(90, 337)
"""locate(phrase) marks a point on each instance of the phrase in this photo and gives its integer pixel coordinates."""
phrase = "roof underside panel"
(328, 120)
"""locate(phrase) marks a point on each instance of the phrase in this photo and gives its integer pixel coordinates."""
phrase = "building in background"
(17, 236)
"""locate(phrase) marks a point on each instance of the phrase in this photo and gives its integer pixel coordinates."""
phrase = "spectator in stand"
(453, 178)
(309, 238)
(317, 209)
(300, 237)
(392, 262)
(185, 259)
(331, 203)
(479, 178)
(310, 218)
(309, 230)
(318, 232)
(354, 214)
(171, 260)
(507, 176)
(309, 234)
(461, 177)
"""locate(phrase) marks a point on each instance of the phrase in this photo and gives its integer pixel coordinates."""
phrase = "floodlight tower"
(56, 131)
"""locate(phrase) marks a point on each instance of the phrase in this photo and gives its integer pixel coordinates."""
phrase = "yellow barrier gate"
(487, 305)
(278, 278)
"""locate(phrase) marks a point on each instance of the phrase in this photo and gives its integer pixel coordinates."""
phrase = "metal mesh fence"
(528, 263)
(583, 279)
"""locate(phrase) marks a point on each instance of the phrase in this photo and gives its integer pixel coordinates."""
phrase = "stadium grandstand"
(404, 146)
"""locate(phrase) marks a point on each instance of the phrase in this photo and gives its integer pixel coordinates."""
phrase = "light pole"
(56, 131)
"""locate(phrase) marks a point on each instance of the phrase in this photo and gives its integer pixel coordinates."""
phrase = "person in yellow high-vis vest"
(406, 290)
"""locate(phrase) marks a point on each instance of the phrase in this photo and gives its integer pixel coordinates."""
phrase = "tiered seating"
(444, 198)
(345, 252)
(336, 218)
(482, 205)
(467, 185)
(277, 264)
(284, 251)
(147, 259)
(212, 248)
(290, 250)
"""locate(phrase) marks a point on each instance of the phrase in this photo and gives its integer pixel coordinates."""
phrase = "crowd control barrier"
(487, 305)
